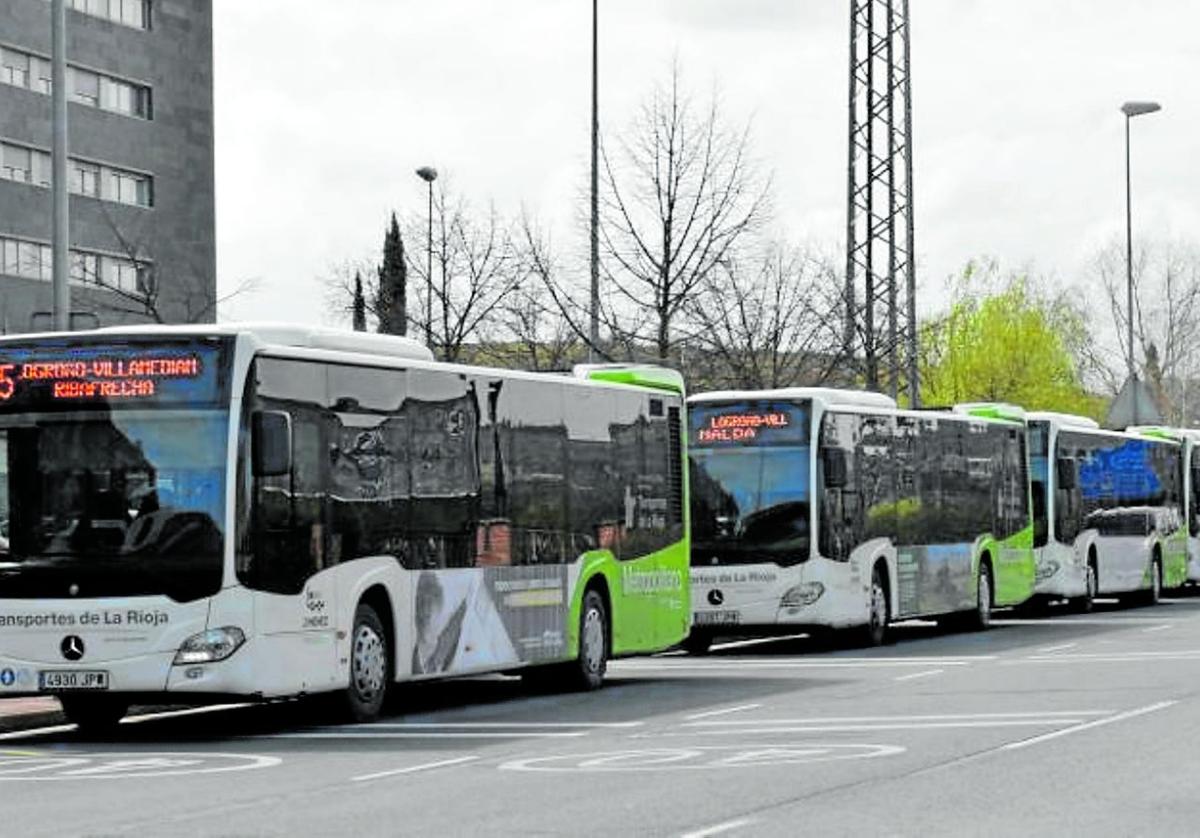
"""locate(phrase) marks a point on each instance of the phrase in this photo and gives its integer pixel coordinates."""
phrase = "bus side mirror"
(271, 442)
(833, 461)
(1067, 477)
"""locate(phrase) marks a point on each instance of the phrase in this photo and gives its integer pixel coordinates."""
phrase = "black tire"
(980, 619)
(94, 713)
(370, 666)
(697, 643)
(1085, 603)
(1154, 595)
(587, 671)
(879, 612)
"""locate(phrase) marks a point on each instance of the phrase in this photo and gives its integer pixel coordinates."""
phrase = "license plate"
(59, 681)
(716, 618)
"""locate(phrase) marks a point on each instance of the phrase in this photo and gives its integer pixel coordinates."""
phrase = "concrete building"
(140, 88)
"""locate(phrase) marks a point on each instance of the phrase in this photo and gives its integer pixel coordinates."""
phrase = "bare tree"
(768, 321)
(144, 288)
(680, 195)
(474, 272)
(1166, 315)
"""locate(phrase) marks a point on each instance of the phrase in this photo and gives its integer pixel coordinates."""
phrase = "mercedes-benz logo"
(72, 647)
(715, 597)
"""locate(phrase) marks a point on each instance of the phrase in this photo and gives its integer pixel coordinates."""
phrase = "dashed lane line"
(414, 769)
(1032, 714)
(1061, 647)
(719, 829)
(913, 676)
(723, 711)
(1158, 628)
(1129, 714)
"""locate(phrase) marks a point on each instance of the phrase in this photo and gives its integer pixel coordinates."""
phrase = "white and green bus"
(1189, 438)
(821, 508)
(194, 514)
(1108, 510)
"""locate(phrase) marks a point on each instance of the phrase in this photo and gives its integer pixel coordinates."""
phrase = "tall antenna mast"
(880, 267)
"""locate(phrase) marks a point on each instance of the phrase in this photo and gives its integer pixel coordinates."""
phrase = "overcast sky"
(325, 109)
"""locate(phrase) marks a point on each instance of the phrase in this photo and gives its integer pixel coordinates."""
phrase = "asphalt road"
(1066, 725)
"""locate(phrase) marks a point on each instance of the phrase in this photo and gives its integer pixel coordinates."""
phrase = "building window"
(123, 97)
(41, 168)
(41, 75)
(14, 68)
(128, 188)
(85, 268)
(85, 179)
(85, 87)
(135, 13)
(16, 163)
(8, 257)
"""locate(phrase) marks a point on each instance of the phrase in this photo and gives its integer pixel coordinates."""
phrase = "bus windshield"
(112, 466)
(129, 503)
(750, 464)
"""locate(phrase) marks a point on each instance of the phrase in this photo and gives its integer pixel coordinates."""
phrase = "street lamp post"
(429, 175)
(594, 326)
(1131, 109)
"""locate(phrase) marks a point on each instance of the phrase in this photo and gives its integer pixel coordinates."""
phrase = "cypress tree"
(391, 303)
(360, 304)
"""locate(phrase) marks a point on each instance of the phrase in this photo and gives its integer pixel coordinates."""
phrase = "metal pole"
(58, 181)
(914, 383)
(429, 277)
(1129, 272)
(594, 329)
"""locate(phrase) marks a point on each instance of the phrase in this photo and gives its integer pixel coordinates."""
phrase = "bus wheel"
(697, 643)
(1154, 595)
(1085, 603)
(981, 617)
(93, 713)
(593, 643)
(369, 669)
(879, 612)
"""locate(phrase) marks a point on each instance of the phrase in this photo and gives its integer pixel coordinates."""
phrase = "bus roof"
(992, 410)
(1165, 432)
(638, 375)
(829, 395)
(278, 334)
(1064, 419)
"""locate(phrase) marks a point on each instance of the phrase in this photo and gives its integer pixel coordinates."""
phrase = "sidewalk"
(20, 713)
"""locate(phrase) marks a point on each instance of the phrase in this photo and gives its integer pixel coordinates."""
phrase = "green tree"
(391, 305)
(1003, 340)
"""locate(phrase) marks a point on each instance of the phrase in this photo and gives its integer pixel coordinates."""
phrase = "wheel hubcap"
(593, 640)
(369, 662)
(985, 596)
(1091, 582)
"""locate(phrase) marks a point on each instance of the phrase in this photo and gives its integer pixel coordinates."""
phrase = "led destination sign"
(43, 375)
(767, 422)
(734, 427)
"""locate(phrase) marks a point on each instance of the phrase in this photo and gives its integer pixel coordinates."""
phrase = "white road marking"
(1060, 647)
(1066, 621)
(37, 731)
(711, 665)
(172, 714)
(1159, 628)
(719, 828)
(1035, 714)
(433, 734)
(756, 641)
(1129, 714)
(413, 769)
(722, 712)
(485, 725)
(828, 728)
(1112, 657)
(912, 676)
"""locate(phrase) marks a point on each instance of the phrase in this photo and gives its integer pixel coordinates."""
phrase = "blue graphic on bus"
(1124, 473)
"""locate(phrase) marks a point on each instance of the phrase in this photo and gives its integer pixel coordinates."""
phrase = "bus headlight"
(800, 596)
(1046, 569)
(210, 646)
